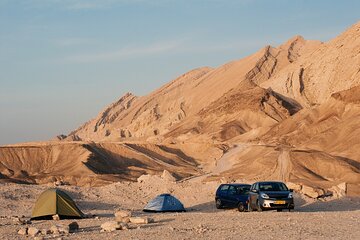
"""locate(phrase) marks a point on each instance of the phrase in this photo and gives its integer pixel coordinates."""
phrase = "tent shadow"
(208, 207)
(92, 205)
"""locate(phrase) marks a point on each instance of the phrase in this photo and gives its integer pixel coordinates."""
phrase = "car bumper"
(277, 204)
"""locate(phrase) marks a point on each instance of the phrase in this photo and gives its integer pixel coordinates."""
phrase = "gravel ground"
(312, 219)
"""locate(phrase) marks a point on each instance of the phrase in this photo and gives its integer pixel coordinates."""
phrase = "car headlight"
(290, 195)
(264, 195)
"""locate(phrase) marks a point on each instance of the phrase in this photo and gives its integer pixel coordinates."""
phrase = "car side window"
(232, 190)
(257, 186)
(224, 188)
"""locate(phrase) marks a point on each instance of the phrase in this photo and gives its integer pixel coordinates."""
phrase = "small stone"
(45, 231)
(124, 226)
(39, 238)
(23, 231)
(139, 220)
(32, 231)
(56, 217)
(64, 230)
(123, 214)
(73, 227)
(110, 226)
(54, 230)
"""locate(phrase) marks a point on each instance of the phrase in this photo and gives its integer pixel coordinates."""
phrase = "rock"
(148, 178)
(54, 230)
(110, 226)
(339, 190)
(63, 229)
(312, 192)
(123, 213)
(32, 231)
(122, 219)
(59, 229)
(294, 186)
(39, 238)
(23, 231)
(124, 226)
(56, 217)
(45, 231)
(166, 175)
(73, 227)
(139, 220)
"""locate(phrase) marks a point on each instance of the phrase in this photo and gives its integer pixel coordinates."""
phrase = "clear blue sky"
(62, 61)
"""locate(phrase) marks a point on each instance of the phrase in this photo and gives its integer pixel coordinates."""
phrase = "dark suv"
(270, 195)
(232, 195)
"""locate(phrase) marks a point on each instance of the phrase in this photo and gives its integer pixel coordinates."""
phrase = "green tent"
(54, 201)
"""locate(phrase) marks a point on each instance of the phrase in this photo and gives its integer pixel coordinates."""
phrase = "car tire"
(241, 207)
(279, 210)
(259, 208)
(218, 204)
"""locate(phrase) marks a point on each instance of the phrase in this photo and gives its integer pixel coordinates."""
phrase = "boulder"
(32, 231)
(141, 220)
(312, 192)
(294, 186)
(110, 226)
(339, 190)
(23, 231)
(167, 176)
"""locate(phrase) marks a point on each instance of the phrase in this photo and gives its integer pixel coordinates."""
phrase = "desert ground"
(327, 218)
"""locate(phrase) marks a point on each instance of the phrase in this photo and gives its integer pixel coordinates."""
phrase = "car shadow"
(337, 205)
(208, 207)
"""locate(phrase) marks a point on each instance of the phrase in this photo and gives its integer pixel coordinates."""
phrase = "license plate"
(280, 202)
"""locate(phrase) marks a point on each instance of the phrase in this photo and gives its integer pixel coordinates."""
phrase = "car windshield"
(243, 189)
(272, 186)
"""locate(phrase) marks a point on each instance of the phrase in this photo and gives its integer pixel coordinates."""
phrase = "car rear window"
(272, 186)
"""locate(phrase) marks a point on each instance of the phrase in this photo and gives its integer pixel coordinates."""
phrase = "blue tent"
(164, 203)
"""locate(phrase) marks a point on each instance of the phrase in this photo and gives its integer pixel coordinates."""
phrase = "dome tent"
(55, 201)
(164, 203)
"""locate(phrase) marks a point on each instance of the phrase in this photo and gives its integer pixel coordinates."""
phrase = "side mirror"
(254, 190)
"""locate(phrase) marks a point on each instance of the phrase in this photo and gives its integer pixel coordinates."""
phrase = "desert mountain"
(289, 113)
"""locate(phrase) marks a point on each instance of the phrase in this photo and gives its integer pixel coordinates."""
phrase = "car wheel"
(218, 203)
(279, 210)
(241, 207)
(259, 208)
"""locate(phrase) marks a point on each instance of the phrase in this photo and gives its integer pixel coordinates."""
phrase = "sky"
(63, 61)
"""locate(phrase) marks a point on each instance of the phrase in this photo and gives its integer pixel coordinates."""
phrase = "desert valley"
(289, 113)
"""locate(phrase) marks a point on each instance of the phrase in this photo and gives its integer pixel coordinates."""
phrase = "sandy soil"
(312, 219)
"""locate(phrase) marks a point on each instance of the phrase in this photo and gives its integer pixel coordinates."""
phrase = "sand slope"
(286, 113)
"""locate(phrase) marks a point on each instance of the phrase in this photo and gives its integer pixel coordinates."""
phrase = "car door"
(253, 195)
(232, 196)
(223, 194)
